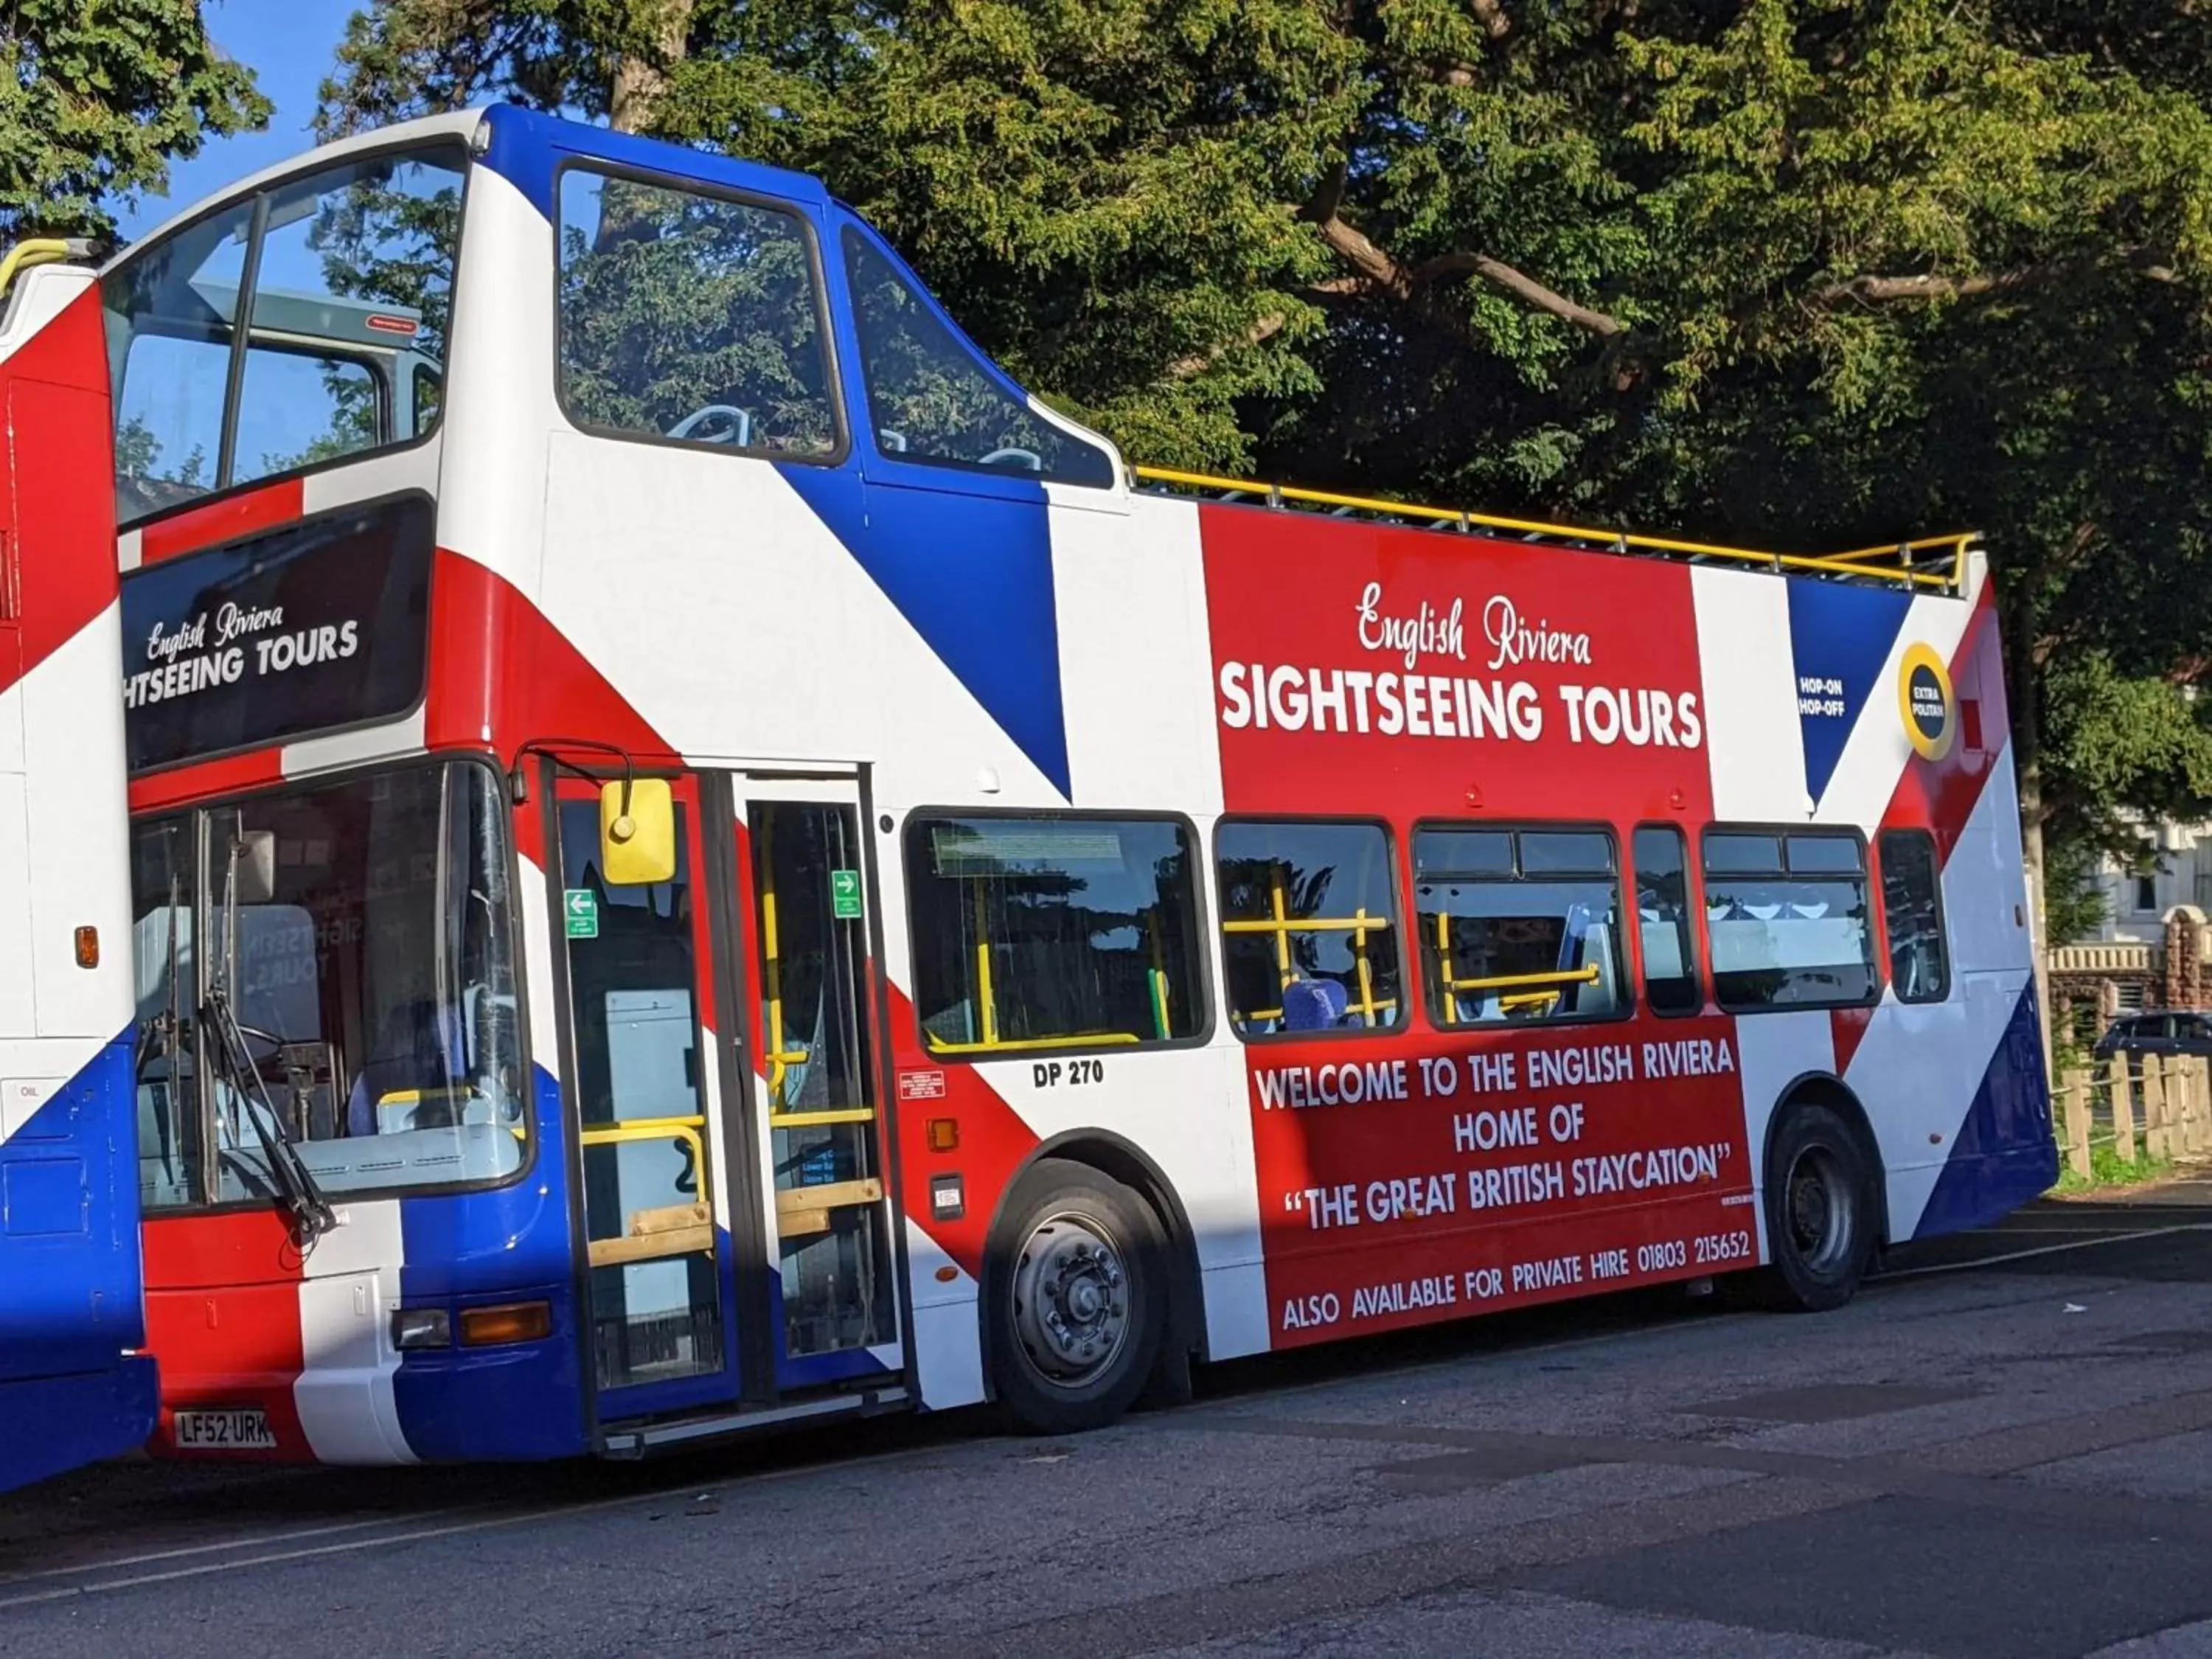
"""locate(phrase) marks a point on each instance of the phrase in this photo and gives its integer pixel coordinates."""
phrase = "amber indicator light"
(509, 1322)
(944, 1134)
(87, 947)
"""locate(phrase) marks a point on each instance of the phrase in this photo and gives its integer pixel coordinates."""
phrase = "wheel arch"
(1820, 1088)
(1119, 1159)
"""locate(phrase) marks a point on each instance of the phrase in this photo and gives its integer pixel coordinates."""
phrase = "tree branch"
(1872, 290)
(1491, 14)
(1523, 287)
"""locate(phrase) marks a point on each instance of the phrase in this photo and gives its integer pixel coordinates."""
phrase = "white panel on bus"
(1754, 741)
(18, 1005)
(1136, 657)
(77, 825)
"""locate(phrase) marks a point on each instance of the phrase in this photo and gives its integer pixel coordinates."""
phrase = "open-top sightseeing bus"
(704, 861)
(73, 1386)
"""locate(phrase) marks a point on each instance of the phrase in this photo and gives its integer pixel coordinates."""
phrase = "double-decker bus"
(73, 1388)
(708, 862)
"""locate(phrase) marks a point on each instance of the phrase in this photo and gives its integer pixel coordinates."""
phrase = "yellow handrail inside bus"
(1555, 982)
(1840, 564)
(780, 1057)
(1281, 924)
(988, 1011)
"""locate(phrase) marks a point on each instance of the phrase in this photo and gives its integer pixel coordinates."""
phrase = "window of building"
(1787, 915)
(1662, 914)
(1518, 925)
(932, 400)
(350, 271)
(691, 317)
(1308, 924)
(1036, 934)
(1913, 916)
(2146, 894)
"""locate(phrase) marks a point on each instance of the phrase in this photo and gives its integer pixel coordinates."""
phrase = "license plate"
(226, 1430)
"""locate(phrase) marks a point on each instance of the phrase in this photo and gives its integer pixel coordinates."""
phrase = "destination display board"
(320, 625)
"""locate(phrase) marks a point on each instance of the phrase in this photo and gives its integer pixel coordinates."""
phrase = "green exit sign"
(845, 895)
(580, 910)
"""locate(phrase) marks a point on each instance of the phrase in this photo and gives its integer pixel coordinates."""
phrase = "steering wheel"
(726, 422)
(1028, 457)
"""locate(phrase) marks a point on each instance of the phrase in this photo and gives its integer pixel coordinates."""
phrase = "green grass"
(2108, 1169)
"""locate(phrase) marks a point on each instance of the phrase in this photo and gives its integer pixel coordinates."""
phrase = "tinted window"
(1308, 923)
(1524, 941)
(1051, 932)
(691, 317)
(1912, 912)
(352, 283)
(932, 402)
(1662, 913)
(1789, 935)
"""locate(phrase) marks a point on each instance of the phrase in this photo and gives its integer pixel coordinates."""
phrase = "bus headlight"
(421, 1328)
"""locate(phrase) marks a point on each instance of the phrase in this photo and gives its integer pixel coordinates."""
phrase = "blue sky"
(289, 44)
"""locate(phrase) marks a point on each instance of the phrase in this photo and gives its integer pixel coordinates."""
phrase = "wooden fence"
(2162, 1110)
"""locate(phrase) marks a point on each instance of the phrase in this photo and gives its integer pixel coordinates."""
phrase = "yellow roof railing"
(1935, 562)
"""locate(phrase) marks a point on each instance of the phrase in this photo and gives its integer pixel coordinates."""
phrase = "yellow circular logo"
(1925, 700)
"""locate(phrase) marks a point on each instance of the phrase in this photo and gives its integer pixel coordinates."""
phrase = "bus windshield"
(372, 983)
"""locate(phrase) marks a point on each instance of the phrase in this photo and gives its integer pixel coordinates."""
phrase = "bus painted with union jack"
(73, 1386)
(705, 862)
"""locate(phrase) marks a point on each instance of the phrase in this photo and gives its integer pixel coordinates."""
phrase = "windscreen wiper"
(312, 1215)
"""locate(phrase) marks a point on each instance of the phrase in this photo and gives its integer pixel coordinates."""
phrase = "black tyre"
(1821, 1221)
(1076, 1299)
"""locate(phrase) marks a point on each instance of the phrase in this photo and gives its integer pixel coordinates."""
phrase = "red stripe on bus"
(197, 527)
(181, 784)
(222, 1322)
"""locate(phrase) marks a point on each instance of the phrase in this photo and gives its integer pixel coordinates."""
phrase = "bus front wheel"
(1819, 1210)
(1077, 1299)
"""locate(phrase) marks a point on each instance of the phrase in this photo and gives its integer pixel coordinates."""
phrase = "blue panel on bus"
(1840, 636)
(71, 1301)
(2004, 1153)
(56, 1423)
(511, 1243)
(972, 573)
(43, 1197)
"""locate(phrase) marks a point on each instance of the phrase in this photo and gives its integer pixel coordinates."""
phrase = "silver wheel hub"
(1818, 1209)
(1071, 1299)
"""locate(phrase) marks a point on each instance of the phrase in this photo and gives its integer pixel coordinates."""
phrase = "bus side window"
(1913, 916)
(1048, 934)
(932, 400)
(1662, 916)
(1518, 925)
(692, 318)
(1308, 927)
(1788, 913)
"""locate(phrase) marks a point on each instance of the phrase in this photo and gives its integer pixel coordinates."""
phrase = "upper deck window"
(691, 317)
(350, 271)
(934, 403)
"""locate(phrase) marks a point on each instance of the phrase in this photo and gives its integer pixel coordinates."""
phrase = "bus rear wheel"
(1077, 1299)
(1819, 1210)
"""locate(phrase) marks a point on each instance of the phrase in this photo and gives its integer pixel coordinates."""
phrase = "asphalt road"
(2003, 1449)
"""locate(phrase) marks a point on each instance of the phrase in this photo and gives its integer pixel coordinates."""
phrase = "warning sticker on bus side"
(921, 1085)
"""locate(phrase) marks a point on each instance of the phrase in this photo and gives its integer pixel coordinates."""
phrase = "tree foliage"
(97, 97)
(1811, 272)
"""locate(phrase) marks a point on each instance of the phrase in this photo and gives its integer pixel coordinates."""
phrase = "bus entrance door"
(816, 1072)
(659, 1333)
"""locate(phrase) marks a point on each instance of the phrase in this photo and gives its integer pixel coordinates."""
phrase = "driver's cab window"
(691, 317)
(350, 271)
(934, 403)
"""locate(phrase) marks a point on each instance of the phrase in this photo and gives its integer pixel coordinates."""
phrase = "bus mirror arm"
(637, 816)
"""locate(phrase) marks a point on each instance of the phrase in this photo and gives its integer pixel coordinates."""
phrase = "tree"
(1804, 272)
(97, 97)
